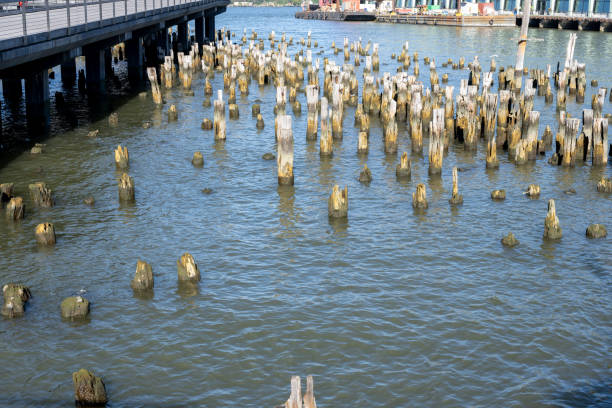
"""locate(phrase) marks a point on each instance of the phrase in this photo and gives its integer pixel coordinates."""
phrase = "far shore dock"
(559, 21)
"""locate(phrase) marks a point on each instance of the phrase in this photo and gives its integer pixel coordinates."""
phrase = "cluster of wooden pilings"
(504, 120)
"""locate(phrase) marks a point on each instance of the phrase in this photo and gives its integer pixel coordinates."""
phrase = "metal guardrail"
(20, 19)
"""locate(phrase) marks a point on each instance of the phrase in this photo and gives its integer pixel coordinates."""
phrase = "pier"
(43, 34)
(569, 21)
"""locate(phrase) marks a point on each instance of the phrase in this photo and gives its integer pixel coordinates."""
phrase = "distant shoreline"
(241, 4)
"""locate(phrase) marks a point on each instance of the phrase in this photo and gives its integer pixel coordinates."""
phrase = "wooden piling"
(15, 209)
(337, 205)
(219, 117)
(569, 142)
(41, 194)
(326, 142)
(416, 129)
(552, 228)
(122, 157)
(600, 151)
(436, 142)
(45, 234)
(419, 197)
(489, 131)
(187, 269)
(285, 151)
(152, 74)
(126, 188)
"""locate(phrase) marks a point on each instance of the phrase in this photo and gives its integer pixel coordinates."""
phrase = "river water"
(390, 308)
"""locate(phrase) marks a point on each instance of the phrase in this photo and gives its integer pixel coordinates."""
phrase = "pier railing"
(26, 18)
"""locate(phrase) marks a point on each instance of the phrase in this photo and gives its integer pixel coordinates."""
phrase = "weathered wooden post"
(600, 142)
(362, 143)
(326, 141)
(456, 198)
(152, 74)
(337, 111)
(416, 129)
(122, 157)
(552, 229)
(41, 194)
(168, 72)
(219, 117)
(126, 188)
(489, 131)
(15, 297)
(436, 142)
(45, 234)
(143, 277)
(172, 113)
(569, 142)
(449, 112)
(285, 151)
(419, 197)
(187, 269)
(391, 130)
(337, 205)
(404, 169)
(15, 209)
(532, 134)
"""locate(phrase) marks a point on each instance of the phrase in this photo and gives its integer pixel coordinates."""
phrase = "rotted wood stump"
(207, 124)
(15, 296)
(456, 198)
(596, 231)
(122, 157)
(604, 185)
(45, 234)
(41, 194)
(74, 308)
(533, 191)
(337, 205)
(404, 169)
(152, 74)
(552, 228)
(419, 197)
(285, 151)
(260, 122)
(187, 269)
(498, 195)
(89, 390)
(15, 209)
(172, 113)
(234, 113)
(295, 398)
(126, 188)
(143, 277)
(198, 159)
(366, 175)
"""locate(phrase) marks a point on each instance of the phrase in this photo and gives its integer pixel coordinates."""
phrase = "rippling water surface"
(390, 308)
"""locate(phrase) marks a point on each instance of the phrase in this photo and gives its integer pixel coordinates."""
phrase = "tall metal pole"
(522, 44)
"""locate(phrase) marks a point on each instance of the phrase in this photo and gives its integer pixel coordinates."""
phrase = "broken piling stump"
(456, 198)
(419, 197)
(74, 308)
(15, 297)
(15, 209)
(285, 151)
(122, 157)
(143, 277)
(45, 234)
(89, 390)
(126, 188)
(187, 269)
(337, 205)
(552, 229)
